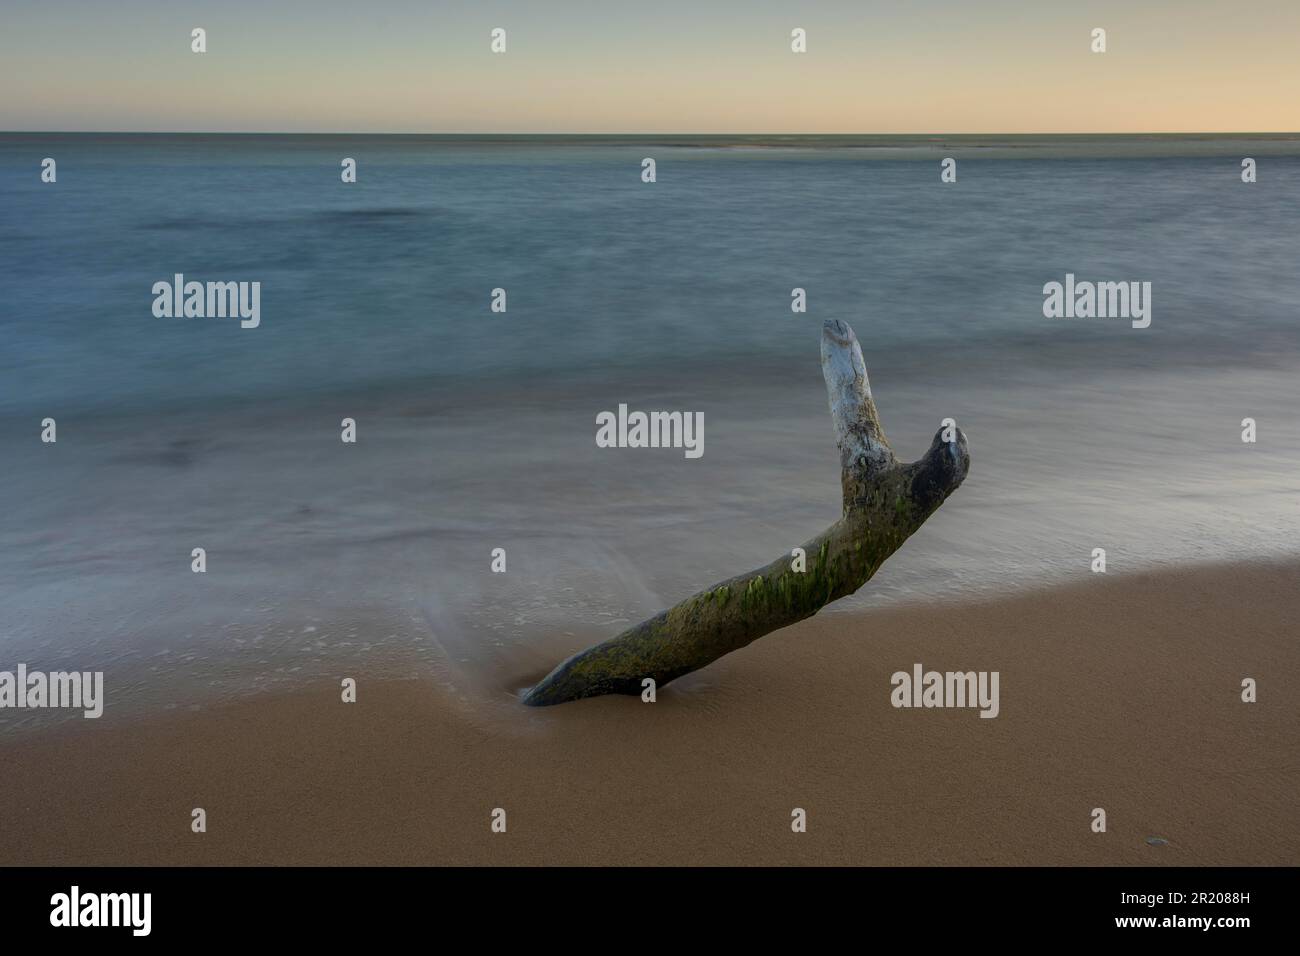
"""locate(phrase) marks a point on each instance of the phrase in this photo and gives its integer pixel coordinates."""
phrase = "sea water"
(476, 429)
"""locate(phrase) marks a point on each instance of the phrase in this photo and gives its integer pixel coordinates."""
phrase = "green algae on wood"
(885, 502)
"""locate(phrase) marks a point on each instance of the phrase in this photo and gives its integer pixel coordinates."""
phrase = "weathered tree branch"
(884, 502)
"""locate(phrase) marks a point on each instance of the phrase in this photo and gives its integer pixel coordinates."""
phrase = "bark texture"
(885, 501)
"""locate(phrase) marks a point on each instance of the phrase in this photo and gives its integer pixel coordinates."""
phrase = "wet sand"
(1119, 692)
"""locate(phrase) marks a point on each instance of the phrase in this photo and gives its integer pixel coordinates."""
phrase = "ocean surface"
(476, 430)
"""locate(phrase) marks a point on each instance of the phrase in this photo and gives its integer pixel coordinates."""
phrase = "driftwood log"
(885, 501)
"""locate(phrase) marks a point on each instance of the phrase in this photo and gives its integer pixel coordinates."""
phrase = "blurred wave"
(476, 429)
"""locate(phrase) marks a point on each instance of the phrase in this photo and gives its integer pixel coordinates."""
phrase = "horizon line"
(167, 132)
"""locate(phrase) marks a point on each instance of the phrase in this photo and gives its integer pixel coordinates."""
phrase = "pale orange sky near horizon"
(893, 66)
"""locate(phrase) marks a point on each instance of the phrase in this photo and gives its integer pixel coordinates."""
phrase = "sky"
(612, 66)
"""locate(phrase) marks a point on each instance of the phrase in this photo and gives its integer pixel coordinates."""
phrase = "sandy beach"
(1119, 692)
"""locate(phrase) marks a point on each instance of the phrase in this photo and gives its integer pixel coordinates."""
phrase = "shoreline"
(1116, 692)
